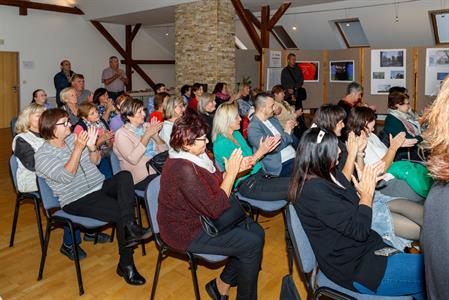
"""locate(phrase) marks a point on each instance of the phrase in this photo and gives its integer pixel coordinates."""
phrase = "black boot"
(134, 233)
(130, 274)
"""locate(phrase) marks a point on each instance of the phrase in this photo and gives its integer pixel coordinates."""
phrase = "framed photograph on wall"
(310, 70)
(437, 68)
(341, 71)
(388, 69)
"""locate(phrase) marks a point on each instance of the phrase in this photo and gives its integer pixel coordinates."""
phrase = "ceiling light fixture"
(294, 28)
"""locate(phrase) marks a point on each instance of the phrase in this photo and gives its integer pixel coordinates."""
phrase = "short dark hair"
(358, 117)
(277, 89)
(185, 88)
(48, 120)
(129, 108)
(290, 55)
(84, 109)
(112, 57)
(97, 94)
(195, 87)
(159, 100)
(396, 98)
(327, 116)
(399, 89)
(76, 76)
(157, 86)
(186, 130)
(35, 94)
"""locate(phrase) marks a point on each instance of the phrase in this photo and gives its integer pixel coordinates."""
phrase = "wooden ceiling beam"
(24, 5)
(278, 14)
(135, 31)
(247, 23)
(264, 26)
(154, 62)
(253, 18)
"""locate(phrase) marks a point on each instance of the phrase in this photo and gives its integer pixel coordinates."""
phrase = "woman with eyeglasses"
(191, 186)
(68, 163)
(40, 97)
(401, 118)
(337, 217)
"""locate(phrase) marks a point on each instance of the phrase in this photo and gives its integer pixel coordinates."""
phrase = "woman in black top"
(337, 222)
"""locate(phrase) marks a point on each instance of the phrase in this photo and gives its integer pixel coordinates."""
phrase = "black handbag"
(157, 162)
(228, 220)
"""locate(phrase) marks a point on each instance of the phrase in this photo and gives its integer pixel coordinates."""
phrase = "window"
(440, 24)
(239, 44)
(283, 37)
(352, 33)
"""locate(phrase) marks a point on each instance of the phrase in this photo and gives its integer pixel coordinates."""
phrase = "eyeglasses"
(202, 139)
(65, 123)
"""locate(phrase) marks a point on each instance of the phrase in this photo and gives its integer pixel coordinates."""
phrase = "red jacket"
(187, 192)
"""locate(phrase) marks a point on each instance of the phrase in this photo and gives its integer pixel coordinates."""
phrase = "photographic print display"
(388, 69)
(437, 68)
(341, 71)
(310, 70)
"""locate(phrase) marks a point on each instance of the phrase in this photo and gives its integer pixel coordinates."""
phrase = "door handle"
(14, 88)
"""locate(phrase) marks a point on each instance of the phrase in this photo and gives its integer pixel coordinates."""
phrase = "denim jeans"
(68, 238)
(404, 275)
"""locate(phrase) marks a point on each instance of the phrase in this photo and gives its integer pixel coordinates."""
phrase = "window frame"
(338, 24)
(433, 21)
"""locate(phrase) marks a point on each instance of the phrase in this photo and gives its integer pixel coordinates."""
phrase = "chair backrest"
(13, 165)
(303, 250)
(13, 126)
(115, 163)
(151, 202)
(49, 200)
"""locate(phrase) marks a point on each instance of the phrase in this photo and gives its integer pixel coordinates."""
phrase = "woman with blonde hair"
(174, 108)
(435, 233)
(25, 144)
(206, 109)
(226, 137)
(68, 97)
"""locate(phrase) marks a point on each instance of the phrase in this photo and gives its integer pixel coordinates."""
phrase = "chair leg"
(39, 221)
(156, 275)
(77, 260)
(44, 250)
(112, 233)
(14, 222)
(139, 220)
(96, 237)
(289, 245)
(257, 215)
(192, 262)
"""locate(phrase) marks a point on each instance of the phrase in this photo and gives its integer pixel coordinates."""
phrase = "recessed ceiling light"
(348, 24)
(294, 28)
(166, 33)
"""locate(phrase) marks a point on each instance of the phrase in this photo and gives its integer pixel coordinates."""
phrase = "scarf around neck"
(408, 120)
(202, 160)
(222, 97)
(139, 131)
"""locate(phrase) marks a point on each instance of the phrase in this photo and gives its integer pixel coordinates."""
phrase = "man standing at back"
(292, 80)
(62, 79)
(114, 79)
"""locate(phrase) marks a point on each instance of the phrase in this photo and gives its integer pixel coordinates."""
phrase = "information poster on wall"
(273, 77)
(437, 69)
(310, 70)
(388, 67)
(275, 59)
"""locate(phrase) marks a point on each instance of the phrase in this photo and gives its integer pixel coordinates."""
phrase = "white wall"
(46, 38)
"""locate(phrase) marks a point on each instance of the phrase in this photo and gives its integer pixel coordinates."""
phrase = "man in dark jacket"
(62, 79)
(292, 79)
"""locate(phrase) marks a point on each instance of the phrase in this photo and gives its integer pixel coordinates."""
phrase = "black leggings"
(114, 202)
(142, 185)
(243, 244)
(260, 187)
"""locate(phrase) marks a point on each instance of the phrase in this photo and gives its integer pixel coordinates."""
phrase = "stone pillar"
(205, 45)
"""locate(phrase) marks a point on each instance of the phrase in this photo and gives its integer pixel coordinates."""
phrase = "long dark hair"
(316, 157)
(358, 118)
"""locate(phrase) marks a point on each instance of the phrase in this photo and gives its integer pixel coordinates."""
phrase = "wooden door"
(9, 87)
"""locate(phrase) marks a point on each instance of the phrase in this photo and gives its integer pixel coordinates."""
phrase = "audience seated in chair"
(337, 220)
(116, 122)
(206, 110)
(174, 108)
(67, 162)
(68, 97)
(40, 97)
(254, 184)
(221, 93)
(81, 93)
(191, 186)
(158, 88)
(197, 91)
(105, 105)
(159, 101)
(278, 162)
(137, 142)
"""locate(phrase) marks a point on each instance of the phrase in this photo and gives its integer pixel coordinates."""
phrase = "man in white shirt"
(114, 79)
(280, 161)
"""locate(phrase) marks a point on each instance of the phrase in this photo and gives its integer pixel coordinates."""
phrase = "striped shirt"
(50, 161)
